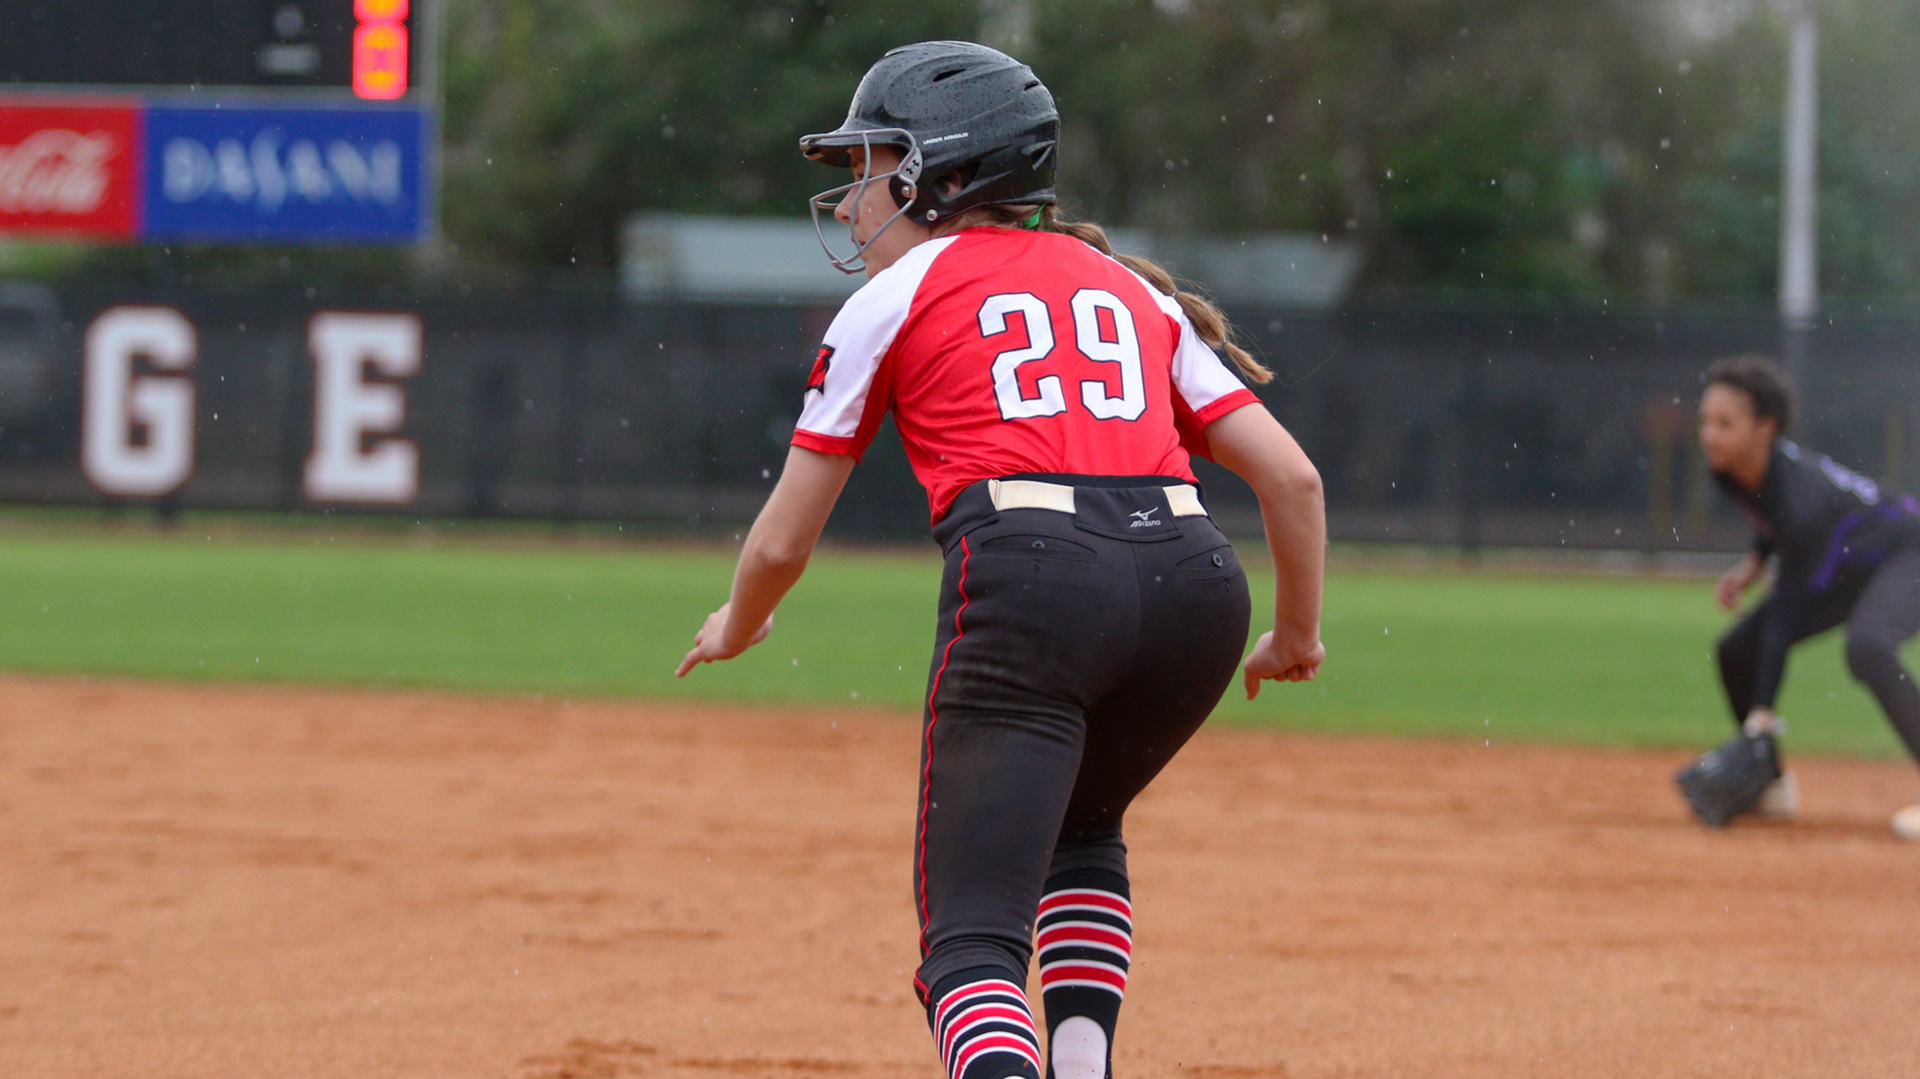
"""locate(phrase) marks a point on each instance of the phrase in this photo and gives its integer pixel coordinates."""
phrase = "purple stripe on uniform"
(1837, 550)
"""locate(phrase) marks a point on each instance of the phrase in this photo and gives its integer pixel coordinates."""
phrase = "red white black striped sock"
(1085, 940)
(984, 1030)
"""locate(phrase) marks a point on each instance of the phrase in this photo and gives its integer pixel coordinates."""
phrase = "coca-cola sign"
(69, 170)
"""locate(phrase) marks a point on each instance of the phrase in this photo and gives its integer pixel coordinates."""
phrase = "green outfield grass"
(1613, 660)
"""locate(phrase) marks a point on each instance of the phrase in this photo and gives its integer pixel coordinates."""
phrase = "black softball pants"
(1076, 653)
(1881, 610)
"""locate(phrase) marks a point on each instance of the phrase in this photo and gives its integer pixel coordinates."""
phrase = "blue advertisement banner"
(293, 175)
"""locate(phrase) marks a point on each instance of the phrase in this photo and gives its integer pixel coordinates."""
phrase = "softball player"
(1845, 552)
(1090, 615)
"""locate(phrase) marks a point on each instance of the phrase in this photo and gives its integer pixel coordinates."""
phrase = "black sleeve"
(1776, 638)
(1749, 503)
(1798, 546)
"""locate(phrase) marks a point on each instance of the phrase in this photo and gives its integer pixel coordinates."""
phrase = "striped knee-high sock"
(1085, 941)
(984, 1030)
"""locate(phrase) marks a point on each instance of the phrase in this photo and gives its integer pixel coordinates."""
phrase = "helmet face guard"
(902, 182)
(975, 128)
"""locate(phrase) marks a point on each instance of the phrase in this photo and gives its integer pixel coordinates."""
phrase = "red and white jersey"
(1001, 351)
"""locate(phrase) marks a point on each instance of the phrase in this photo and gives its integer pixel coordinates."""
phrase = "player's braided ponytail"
(1208, 321)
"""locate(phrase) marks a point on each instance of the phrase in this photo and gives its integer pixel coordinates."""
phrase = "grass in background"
(1613, 660)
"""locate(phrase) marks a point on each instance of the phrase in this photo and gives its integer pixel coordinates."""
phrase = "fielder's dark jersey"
(1824, 524)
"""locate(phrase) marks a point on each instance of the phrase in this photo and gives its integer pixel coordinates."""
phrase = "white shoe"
(1781, 801)
(1906, 823)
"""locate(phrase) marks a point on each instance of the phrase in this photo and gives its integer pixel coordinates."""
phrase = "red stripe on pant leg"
(1069, 935)
(1056, 973)
(933, 717)
(996, 1043)
(985, 1013)
(959, 997)
(1106, 901)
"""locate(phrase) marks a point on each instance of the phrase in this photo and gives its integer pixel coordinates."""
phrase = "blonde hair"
(1208, 321)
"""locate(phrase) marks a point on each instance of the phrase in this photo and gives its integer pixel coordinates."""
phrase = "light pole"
(1799, 173)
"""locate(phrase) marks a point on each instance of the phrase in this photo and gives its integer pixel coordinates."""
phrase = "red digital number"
(380, 49)
(380, 10)
(380, 61)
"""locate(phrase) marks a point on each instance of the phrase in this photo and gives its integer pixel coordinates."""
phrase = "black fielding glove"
(1728, 779)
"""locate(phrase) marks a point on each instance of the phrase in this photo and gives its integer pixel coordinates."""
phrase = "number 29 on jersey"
(1050, 397)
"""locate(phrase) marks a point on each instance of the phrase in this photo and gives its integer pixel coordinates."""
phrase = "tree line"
(1620, 147)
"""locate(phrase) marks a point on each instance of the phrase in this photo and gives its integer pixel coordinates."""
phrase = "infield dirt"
(253, 882)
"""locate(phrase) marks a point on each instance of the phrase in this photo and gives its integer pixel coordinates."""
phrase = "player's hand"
(1735, 582)
(1292, 661)
(711, 642)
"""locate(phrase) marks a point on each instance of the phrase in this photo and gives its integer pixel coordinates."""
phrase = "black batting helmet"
(963, 109)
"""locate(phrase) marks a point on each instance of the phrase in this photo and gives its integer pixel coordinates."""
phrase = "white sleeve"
(1200, 377)
(851, 354)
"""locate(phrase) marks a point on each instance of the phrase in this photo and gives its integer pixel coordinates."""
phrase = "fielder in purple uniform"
(1845, 552)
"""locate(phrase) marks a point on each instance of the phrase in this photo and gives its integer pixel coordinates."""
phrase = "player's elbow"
(1293, 483)
(1304, 479)
(780, 553)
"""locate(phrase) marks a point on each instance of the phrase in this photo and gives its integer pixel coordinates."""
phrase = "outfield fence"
(1433, 422)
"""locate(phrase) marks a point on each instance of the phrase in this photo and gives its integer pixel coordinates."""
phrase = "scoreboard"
(366, 47)
(269, 121)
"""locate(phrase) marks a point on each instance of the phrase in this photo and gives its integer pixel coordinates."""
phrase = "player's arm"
(1252, 443)
(1797, 551)
(1735, 582)
(1744, 574)
(775, 554)
(1770, 660)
